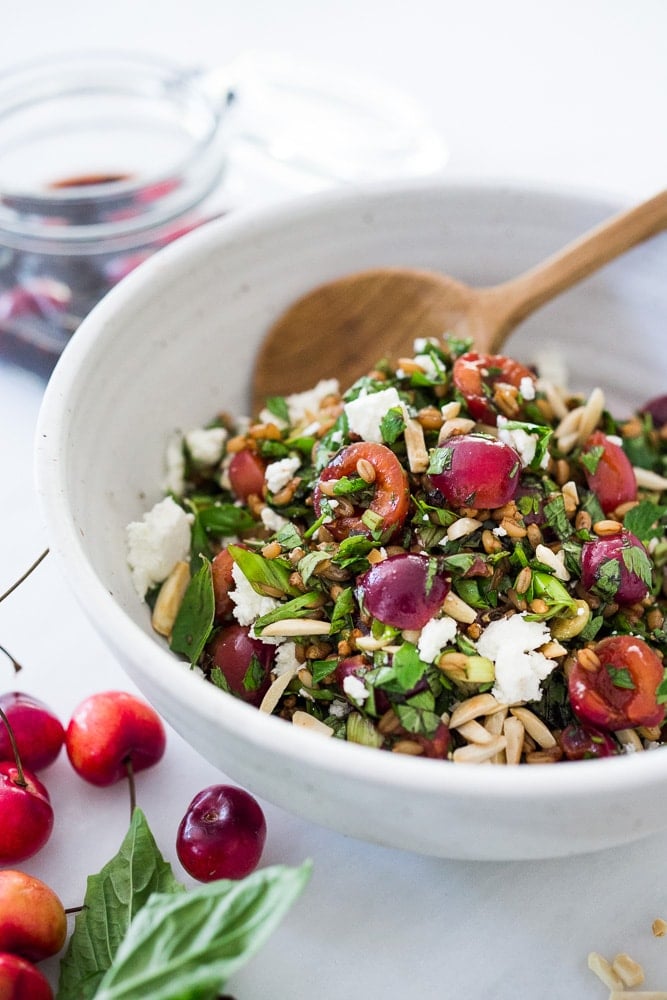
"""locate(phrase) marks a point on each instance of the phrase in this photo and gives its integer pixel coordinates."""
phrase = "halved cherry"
(476, 377)
(391, 497)
(613, 479)
(477, 471)
(621, 692)
(245, 662)
(246, 474)
(404, 591)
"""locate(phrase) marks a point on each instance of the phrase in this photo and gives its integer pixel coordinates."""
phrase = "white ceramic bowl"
(175, 342)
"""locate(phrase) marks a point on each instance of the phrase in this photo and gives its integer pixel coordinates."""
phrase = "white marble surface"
(569, 94)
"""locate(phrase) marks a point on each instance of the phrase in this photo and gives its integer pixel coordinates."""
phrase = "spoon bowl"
(345, 326)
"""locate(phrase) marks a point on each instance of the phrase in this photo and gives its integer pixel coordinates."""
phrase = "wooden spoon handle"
(507, 304)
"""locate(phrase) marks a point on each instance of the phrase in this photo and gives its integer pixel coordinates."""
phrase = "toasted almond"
(648, 480)
(535, 727)
(513, 730)
(631, 972)
(307, 721)
(416, 446)
(474, 708)
(276, 691)
(462, 527)
(602, 968)
(457, 609)
(591, 413)
(170, 598)
(659, 927)
(473, 732)
(297, 626)
(554, 560)
(477, 753)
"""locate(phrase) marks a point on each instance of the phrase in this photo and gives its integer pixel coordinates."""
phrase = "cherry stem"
(15, 663)
(130, 780)
(76, 909)
(25, 576)
(20, 777)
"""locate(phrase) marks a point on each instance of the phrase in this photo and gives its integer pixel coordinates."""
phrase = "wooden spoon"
(344, 327)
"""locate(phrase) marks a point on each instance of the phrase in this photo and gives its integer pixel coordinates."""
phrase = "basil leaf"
(556, 516)
(289, 537)
(277, 405)
(225, 519)
(190, 944)
(113, 898)
(299, 607)
(341, 616)
(194, 620)
(263, 573)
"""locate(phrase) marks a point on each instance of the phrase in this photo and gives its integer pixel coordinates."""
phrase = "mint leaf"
(638, 562)
(591, 459)
(440, 460)
(194, 620)
(392, 425)
(621, 678)
(642, 519)
(113, 898)
(188, 945)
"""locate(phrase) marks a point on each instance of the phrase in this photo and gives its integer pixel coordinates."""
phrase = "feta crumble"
(285, 660)
(248, 604)
(527, 387)
(174, 481)
(512, 643)
(435, 635)
(366, 412)
(524, 443)
(271, 520)
(206, 445)
(156, 543)
(278, 474)
(303, 406)
(355, 689)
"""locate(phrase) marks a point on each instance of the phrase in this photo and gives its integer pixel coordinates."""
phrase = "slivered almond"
(474, 708)
(307, 721)
(297, 626)
(477, 753)
(513, 730)
(534, 727)
(416, 446)
(170, 598)
(458, 609)
(276, 691)
(602, 968)
(473, 732)
(629, 971)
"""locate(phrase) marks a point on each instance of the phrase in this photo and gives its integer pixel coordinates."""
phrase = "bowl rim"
(80, 359)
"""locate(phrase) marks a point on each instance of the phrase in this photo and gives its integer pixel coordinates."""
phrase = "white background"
(570, 94)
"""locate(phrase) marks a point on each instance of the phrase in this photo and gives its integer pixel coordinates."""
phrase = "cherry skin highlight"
(222, 834)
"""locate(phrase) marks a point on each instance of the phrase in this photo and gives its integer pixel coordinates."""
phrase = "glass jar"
(104, 158)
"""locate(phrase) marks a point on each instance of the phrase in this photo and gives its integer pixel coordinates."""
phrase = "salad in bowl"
(454, 558)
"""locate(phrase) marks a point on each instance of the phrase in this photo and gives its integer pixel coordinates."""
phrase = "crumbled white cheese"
(175, 462)
(303, 405)
(512, 644)
(527, 387)
(285, 659)
(355, 689)
(248, 604)
(435, 635)
(272, 520)
(206, 445)
(499, 532)
(157, 542)
(278, 474)
(420, 344)
(523, 443)
(427, 365)
(339, 709)
(365, 413)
